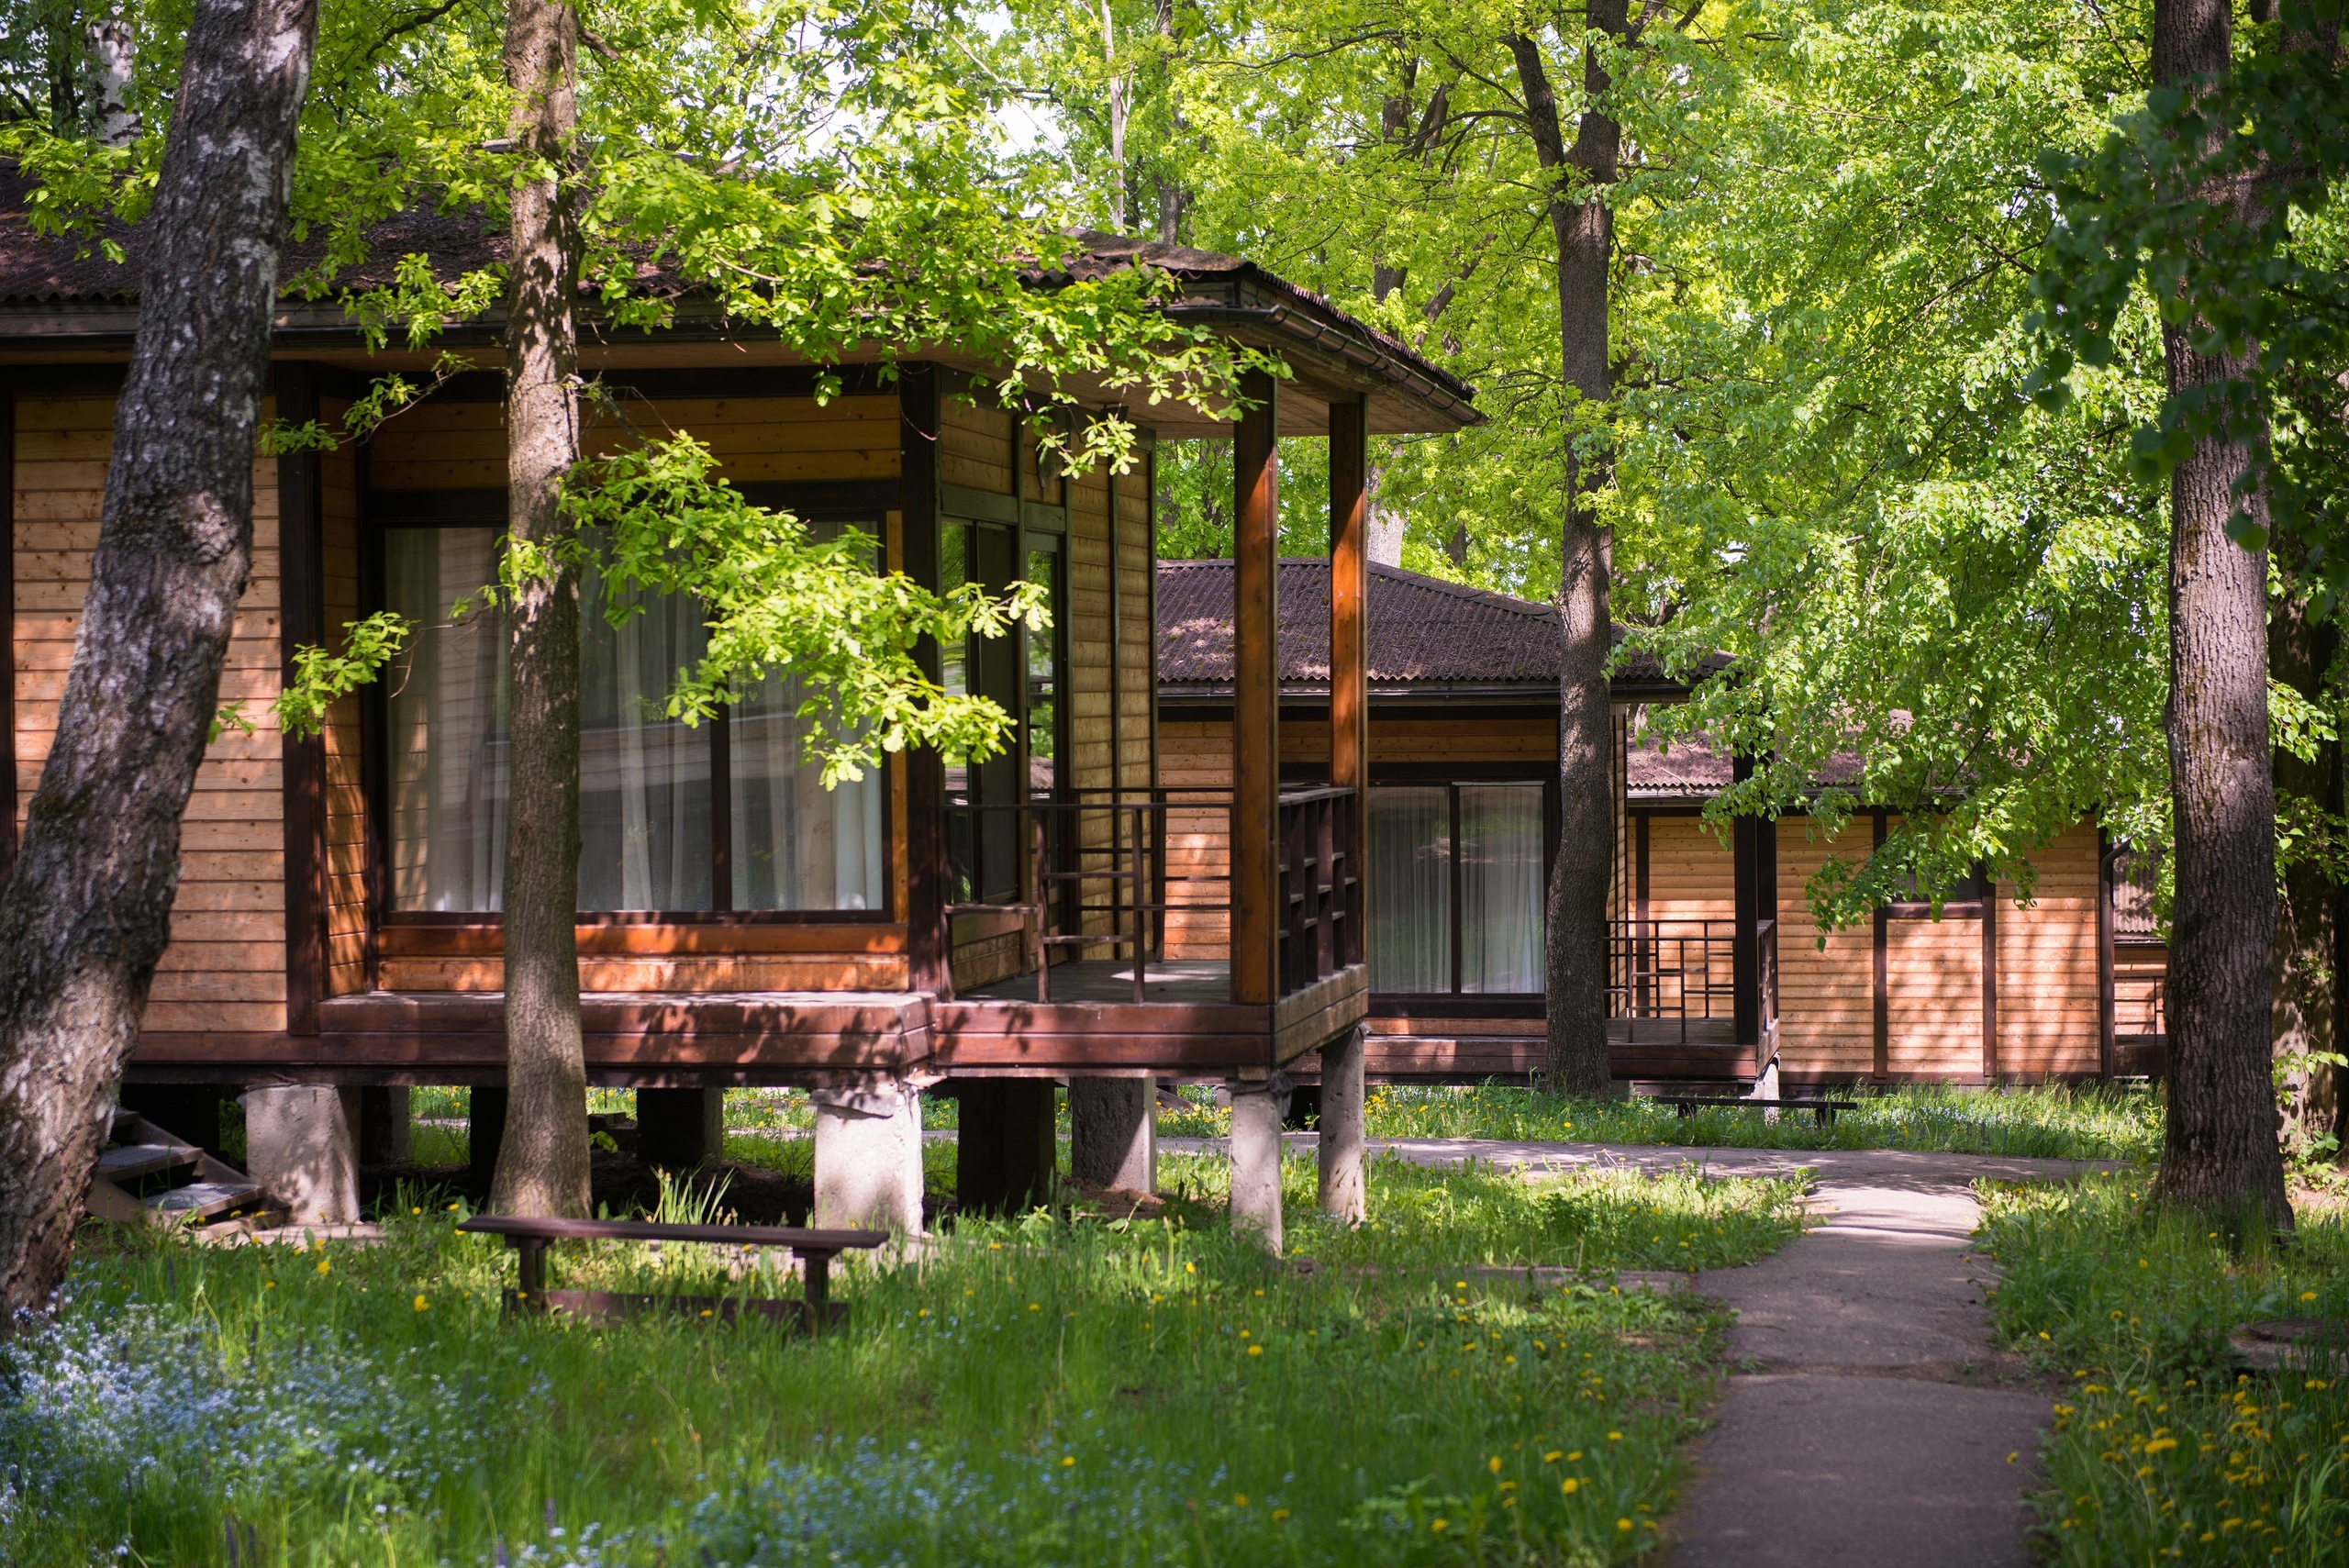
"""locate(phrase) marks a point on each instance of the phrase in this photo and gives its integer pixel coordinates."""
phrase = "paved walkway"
(1868, 1424)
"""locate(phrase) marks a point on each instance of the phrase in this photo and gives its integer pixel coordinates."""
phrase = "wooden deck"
(1112, 980)
(1003, 1030)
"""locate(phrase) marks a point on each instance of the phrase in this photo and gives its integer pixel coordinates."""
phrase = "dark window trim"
(377, 783)
(1453, 778)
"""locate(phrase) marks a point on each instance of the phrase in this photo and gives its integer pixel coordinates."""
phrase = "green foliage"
(2051, 1122)
(2163, 1448)
(2214, 202)
(1036, 1392)
(321, 678)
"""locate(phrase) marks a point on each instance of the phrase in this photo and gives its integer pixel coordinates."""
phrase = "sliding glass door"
(1457, 876)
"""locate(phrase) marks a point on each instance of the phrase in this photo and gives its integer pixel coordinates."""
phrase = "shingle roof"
(1424, 631)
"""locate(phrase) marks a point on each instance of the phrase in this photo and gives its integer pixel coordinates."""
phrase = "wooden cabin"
(1714, 972)
(982, 927)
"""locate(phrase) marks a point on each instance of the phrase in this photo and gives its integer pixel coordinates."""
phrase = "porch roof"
(58, 294)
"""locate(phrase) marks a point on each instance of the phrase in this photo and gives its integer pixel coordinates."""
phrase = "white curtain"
(447, 702)
(797, 844)
(644, 800)
(1500, 888)
(1411, 888)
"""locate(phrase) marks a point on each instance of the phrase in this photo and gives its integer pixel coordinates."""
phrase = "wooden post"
(928, 949)
(1256, 695)
(1990, 979)
(8, 625)
(301, 621)
(2107, 1021)
(1350, 658)
(1883, 935)
(1745, 943)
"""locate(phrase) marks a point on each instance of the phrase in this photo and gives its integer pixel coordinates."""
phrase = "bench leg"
(819, 1288)
(533, 1296)
(1685, 1111)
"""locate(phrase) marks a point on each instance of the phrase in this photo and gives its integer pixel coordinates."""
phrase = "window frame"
(375, 784)
(1453, 778)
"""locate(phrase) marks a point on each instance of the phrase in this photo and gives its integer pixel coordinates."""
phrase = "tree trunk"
(1583, 228)
(88, 912)
(542, 1160)
(2300, 654)
(2220, 1151)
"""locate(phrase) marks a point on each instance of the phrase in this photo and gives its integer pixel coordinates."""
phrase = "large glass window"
(1457, 874)
(648, 783)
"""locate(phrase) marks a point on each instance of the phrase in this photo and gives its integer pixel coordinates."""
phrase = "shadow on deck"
(1112, 980)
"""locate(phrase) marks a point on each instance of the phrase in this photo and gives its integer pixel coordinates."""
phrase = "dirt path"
(1869, 1424)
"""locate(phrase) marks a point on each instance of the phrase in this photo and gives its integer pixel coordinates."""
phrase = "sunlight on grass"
(1035, 1391)
(2165, 1449)
(2056, 1121)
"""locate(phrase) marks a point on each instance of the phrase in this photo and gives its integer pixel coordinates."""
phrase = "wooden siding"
(461, 446)
(1826, 996)
(344, 790)
(646, 957)
(1690, 876)
(2048, 1014)
(974, 445)
(225, 968)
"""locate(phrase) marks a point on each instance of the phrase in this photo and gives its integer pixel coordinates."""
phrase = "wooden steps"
(150, 1177)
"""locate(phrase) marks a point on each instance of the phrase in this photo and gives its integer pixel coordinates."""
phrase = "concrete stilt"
(1256, 1160)
(1113, 1133)
(299, 1144)
(383, 1125)
(681, 1126)
(485, 1133)
(1005, 1154)
(1343, 1194)
(868, 1158)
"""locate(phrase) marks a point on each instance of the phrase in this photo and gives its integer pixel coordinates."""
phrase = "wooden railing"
(1320, 888)
(1679, 970)
(1096, 873)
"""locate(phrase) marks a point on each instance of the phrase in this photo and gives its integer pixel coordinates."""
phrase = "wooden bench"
(531, 1237)
(1822, 1111)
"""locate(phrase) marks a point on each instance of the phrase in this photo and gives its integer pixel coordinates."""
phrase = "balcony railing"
(1094, 870)
(1320, 888)
(1678, 970)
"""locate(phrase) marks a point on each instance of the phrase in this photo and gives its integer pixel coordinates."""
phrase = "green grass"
(2051, 1122)
(2164, 1450)
(1040, 1391)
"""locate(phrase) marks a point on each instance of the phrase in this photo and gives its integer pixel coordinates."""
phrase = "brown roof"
(1425, 634)
(1690, 770)
(1215, 290)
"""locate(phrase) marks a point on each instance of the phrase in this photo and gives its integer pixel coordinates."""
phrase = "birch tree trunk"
(88, 912)
(542, 1160)
(2220, 1151)
(1583, 228)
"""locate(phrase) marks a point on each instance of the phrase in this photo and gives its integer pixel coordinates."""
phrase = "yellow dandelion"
(1033, 1307)
(1068, 1462)
(422, 1302)
(1239, 1499)
(1255, 1349)
(1574, 1458)
(1570, 1485)
(1623, 1523)
(1494, 1464)
(323, 1265)
(1551, 1457)
(1614, 1437)
(2308, 1295)
(1279, 1514)
(1441, 1524)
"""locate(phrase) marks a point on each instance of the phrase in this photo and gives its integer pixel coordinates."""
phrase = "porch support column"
(1349, 656)
(868, 1158)
(299, 1145)
(1343, 1194)
(681, 1126)
(1113, 1133)
(1745, 943)
(1006, 1152)
(1256, 1107)
(1255, 699)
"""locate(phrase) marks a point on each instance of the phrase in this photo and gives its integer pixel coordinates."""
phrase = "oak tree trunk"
(542, 1160)
(88, 911)
(2220, 1149)
(2300, 654)
(1583, 228)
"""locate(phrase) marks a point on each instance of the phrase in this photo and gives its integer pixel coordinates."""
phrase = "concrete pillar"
(384, 1124)
(1343, 1194)
(1005, 1154)
(300, 1145)
(681, 1126)
(485, 1132)
(1766, 1088)
(1113, 1133)
(1256, 1160)
(868, 1158)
